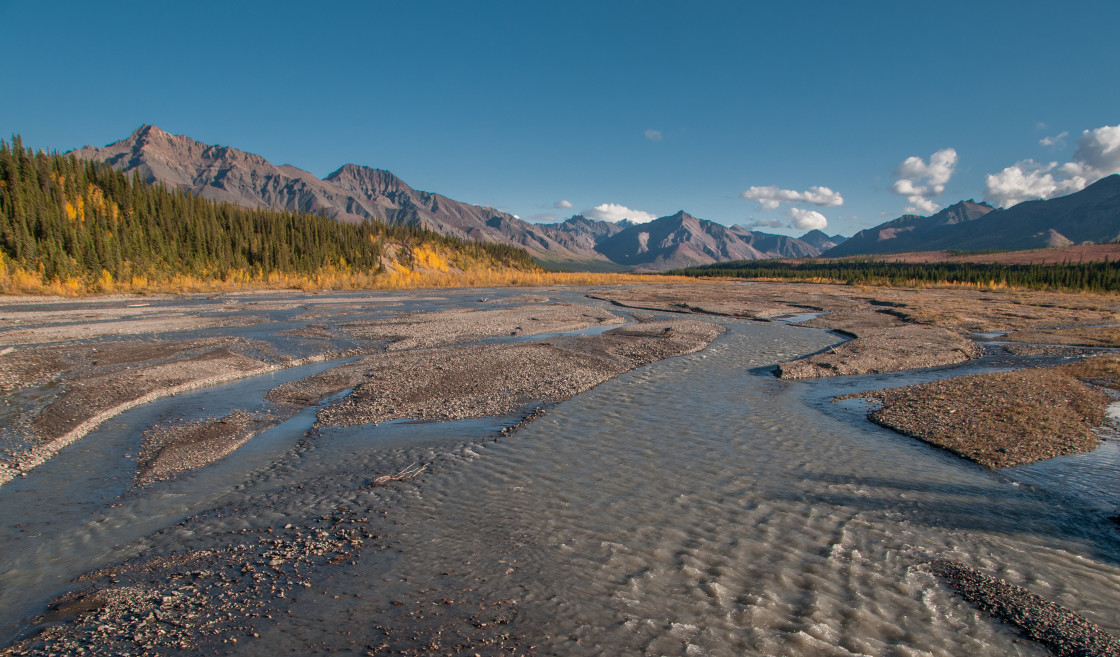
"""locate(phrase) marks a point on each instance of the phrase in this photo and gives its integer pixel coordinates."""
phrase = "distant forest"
(1094, 276)
(68, 220)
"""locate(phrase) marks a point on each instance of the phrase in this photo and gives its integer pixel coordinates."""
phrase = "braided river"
(695, 506)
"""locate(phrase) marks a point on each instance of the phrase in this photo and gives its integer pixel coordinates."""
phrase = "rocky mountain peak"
(962, 211)
(367, 180)
(357, 193)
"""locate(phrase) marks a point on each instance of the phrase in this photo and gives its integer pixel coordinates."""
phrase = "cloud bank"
(770, 196)
(653, 135)
(562, 205)
(920, 182)
(613, 212)
(1097, 156)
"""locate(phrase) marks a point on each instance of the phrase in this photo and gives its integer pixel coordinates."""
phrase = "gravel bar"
(1064, 632)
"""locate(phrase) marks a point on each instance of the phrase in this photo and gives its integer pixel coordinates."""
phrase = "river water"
(696, 506)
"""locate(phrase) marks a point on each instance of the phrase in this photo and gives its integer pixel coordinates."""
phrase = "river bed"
(695, 506)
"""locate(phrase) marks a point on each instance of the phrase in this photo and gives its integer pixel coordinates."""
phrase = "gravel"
(473, 381)
(168, 450)
(447, 327)
(1064, 632)
(202, 601)
(997, 420)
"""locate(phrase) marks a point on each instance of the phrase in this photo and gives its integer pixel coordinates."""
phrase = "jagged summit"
(356, 193)
(367, 180)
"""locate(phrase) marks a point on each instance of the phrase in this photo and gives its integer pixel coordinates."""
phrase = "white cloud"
(770, 196)
(613, 212)
(1097, 156)
(807, 219)
(653, 135)
(919, 182)
(1057, 141)
(1027, 180)
(562, 205)
(1099, 151)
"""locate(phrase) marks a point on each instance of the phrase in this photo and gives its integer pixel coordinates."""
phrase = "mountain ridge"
(1091, 215)
(355, 193)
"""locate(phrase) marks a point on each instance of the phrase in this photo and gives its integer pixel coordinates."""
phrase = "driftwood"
(408, 473)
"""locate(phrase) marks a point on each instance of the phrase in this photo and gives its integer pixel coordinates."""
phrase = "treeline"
(68, 219)
(1094, 276)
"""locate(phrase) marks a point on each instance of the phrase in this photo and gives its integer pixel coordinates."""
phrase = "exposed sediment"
(886, 329)
(884, 349)
(166, 451)
(483, 380)
(207, 599)
(999, 419)
(447, 327)
(202, 601)
(89, 402)
(1063, 631)
(117, 378)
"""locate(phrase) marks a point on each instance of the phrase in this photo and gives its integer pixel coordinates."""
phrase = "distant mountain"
(910, 232)
(1090, 215)
(587, 233)
(821, 240)
(356, 193)
(775, 246)
(675, 241)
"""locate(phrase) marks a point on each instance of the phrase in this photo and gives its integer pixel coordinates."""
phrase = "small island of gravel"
(1000, 419)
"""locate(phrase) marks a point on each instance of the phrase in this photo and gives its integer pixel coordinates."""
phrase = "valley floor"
(69, 367)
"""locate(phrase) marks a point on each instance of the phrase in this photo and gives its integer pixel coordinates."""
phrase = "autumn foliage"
(70, 227)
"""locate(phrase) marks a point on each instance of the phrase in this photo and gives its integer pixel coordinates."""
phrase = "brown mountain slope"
(357, 193)
(680, 240)
(352, 193)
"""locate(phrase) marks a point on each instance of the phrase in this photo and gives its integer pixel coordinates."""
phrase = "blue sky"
(842, 112)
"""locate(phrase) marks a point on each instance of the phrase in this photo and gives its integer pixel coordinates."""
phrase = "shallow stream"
(696, 506)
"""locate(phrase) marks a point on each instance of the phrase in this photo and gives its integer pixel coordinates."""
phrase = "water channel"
(696, 506)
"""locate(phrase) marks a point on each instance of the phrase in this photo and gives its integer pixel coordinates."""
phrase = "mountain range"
(1091, 215)
(357, 193)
